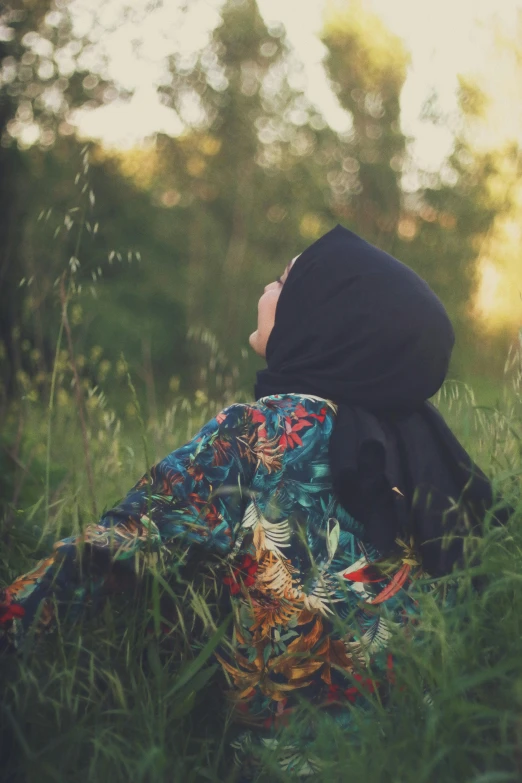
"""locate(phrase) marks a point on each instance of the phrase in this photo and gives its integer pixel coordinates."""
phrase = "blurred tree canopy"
(367, 66)
(180, 235)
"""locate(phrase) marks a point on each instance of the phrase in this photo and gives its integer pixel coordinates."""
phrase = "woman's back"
(298, 566)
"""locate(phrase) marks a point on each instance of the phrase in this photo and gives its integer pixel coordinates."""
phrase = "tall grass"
(129, 691)
(112, 694)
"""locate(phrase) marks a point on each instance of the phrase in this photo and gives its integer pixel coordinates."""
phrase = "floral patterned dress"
(313, 604)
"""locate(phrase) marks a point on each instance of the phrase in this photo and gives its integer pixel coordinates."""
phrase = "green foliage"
(216, 213)
(129, 689)
(41, 80)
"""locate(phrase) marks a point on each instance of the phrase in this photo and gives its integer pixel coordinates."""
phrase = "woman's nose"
(269, 287)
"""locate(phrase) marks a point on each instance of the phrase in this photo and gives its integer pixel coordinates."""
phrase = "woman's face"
(266, 310)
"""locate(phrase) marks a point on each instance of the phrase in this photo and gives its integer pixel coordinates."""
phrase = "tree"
(446, 227)
(245, 165)
(367, 66)
(42, 79)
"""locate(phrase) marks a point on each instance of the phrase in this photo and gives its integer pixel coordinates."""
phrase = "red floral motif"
(196, 472)
(221, 451)
(161, 485)
(9, 612)
(394, 585)
(333, 693)
(366, 684)
(321, 416)
(290, 439)
(292, 424)
(368, 573)
(259, 418)
(245, 571)
(205, 510)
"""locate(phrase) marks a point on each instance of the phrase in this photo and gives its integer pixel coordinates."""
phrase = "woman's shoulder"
(280, 410)
(296, 403)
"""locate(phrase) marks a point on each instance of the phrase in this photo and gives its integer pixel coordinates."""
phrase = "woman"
(325, 499)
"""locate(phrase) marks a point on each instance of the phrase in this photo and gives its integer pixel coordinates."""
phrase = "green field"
(113, 697)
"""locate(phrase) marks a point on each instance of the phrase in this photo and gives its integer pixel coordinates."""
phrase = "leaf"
(277, 531)
(332, 539)
(306, 616)
(276, 573)
(334, 651)
(377, 635)
(154, 660)
(259, 538)
(366, 575)
(198, 682)
(300, 425)
(294, 667)
(394, 585)
(303, 669)
(305, 642)
(289, 635)
(250, 517)
(484, 675)
(184, 706)
(267, 535)
(188, 672)
(251, 666)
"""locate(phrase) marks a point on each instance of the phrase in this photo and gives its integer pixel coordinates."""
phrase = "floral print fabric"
(313, 605)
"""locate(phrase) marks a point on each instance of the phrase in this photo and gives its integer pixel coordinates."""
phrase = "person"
(325, 499)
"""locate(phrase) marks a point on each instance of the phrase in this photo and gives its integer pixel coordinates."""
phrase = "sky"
(444, 38)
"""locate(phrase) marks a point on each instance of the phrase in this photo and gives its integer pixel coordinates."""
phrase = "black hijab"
(358, 327)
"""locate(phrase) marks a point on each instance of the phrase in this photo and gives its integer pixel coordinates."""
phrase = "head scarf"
(358, 327)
